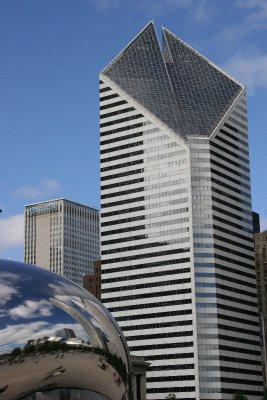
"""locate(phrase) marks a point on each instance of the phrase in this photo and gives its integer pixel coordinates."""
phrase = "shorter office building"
(92, 282)
(63, 237)
(260, 240)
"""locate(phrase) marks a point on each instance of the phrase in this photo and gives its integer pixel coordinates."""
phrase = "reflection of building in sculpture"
(177, 252)
(260, 240)
(62, 236)
(65, 333)
(62, 336)
(92, 282)
(95, 331)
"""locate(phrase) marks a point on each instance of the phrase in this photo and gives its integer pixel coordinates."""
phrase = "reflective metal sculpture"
(57, 341)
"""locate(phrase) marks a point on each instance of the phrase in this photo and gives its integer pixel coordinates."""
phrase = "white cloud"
(46, 187)
(252, 19)
(251, 70)
(103, 5)
(200, 10)
(7, 291)
(257, 14)
(31, 309)
(11, 231)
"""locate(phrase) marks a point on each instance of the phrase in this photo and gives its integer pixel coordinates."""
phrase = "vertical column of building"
(81, 240)
(229, 341)
(146, 275)
(30, 237)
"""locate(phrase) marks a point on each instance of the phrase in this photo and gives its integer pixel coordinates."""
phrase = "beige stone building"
(62, 236)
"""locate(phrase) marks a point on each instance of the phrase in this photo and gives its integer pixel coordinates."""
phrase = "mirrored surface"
(57, 341)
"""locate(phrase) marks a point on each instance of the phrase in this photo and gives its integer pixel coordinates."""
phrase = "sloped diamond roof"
(177, 85)
(203, 92)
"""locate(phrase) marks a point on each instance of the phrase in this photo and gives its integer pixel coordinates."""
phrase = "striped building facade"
(177, 251)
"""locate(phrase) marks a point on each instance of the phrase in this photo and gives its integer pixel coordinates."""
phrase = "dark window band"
(161, 346)
(237, 310)
(110, 96)
(230, 232)
(231, 359)
(146, 275)
(105, 89)
(158, 336)
(171, 367)
(230, 260)
(232, 171)
(232, 145)
(234, 189)
(229, 178)
(146, 295)
(146, 265)
(138, 247)
(151, 305)
(230, 214)
(140, 256)
(121, 165)
(122, 129)
(234, 252)
(231, 153)
(146, 285)
(225, 203)
(174, 356)
(119, 203)
(230, 223)
(230, 196)
(237, 139)
(124, 230)
(123, 146)
(240, 350)
(118, 112)
(228, 160)
(122, 183)
(122, 193)
(176, 378)
(230, 339)
(119, 212)
(155, 315)
(174, 390)
(121, 156)
(117, 103)
(234, 243)
(122, 174)
(118, 121)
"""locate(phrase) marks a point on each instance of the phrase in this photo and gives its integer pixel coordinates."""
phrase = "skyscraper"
(177, 253)
(62, 236)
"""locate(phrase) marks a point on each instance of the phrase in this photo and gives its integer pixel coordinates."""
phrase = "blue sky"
(51, 53)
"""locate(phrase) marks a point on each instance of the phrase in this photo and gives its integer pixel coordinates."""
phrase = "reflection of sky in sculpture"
(40, 311)
(42, 317)
(36, 357)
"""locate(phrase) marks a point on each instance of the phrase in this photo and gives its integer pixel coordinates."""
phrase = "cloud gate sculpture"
(57, 341)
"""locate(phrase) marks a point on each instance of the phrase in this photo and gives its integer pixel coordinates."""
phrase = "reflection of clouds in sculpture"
(18, 335)
(31, 309)
(49, 321)
(65, 288)
(7, 287)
